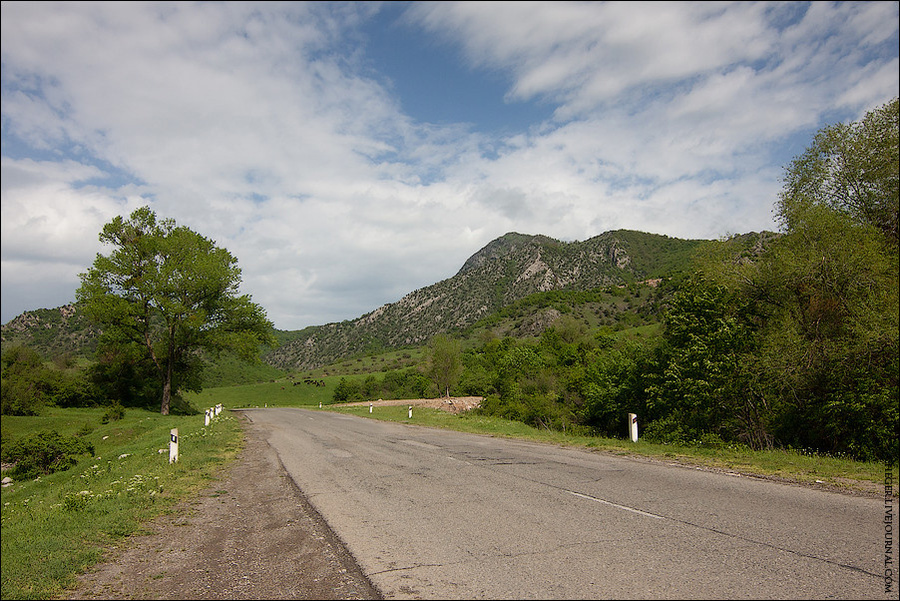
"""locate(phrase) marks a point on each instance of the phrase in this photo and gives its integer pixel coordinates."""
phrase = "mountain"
(508, 269)
(500, 275)
(63, 331)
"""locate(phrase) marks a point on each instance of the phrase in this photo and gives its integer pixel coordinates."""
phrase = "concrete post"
(173, 445)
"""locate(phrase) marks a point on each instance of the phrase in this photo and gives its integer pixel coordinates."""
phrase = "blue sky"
(350, 153)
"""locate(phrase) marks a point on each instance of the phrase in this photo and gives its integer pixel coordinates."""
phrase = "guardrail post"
(173, 445)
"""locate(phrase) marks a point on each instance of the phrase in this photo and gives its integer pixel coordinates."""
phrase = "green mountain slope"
(505, 271)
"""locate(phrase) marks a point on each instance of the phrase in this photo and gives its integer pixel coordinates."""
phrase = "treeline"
(733, 365)
(29, 383)
(409, 383)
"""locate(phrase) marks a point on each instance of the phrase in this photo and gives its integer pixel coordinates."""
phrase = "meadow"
(59, 525)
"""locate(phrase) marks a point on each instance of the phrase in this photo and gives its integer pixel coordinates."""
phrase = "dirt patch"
(456, 404)
(251, 535)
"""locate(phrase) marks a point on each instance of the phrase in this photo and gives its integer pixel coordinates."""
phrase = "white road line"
(649, 515)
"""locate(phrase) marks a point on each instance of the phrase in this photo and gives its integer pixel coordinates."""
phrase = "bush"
(668, 430)
(28, 385)
(115, 412)
(44, 453)
(19, 396)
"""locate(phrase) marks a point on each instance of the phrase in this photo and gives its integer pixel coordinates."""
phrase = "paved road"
(434, 514)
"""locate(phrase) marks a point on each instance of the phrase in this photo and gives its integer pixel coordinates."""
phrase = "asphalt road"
(434, 514)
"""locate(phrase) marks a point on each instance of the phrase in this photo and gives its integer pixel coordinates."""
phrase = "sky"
(350, 153)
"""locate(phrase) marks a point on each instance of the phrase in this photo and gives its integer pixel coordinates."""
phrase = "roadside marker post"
(207, 418)
(410, 412)
(632, 424)
(370, 407)
(173, 445)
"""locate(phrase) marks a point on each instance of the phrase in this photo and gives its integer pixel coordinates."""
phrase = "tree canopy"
(445, 363)
(849, 168)
(169, 294)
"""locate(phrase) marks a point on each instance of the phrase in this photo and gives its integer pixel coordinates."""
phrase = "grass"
(58, 526)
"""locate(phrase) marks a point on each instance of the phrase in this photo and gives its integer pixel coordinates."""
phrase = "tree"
(701, 386)
(850, 168)
(829, 344)
(445, 363)
(172, 293)
(22, 387)
(28, 384)
(831, 283)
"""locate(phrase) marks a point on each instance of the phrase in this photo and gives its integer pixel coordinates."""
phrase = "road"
(435, 514)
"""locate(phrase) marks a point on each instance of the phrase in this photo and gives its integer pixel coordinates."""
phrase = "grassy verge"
(58, 525)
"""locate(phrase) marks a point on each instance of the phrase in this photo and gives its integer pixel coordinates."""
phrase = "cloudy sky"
(350, 153)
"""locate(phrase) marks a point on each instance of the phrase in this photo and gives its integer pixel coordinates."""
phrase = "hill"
(508, 285)
(63, 331)
(505, 271)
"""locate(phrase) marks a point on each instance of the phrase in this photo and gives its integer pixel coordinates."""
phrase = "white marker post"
(632, 424)
(173, 445)
(410, 412)
(370, 407)
(207, 418)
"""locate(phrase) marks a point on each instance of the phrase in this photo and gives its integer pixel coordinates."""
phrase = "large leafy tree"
(445, 363)
(850, 168)
(831, 284)
(702, 386)
(172, 293)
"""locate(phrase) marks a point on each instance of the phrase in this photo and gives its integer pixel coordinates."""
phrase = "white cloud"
(50, 223)
(264, 127)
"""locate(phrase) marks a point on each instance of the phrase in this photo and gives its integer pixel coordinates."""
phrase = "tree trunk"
(167, 390)
(167, 378)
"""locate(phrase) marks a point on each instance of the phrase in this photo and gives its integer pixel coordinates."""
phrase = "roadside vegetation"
(58, 520)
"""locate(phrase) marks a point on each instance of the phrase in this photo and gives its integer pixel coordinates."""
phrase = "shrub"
(115, 412)
(43, 453)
